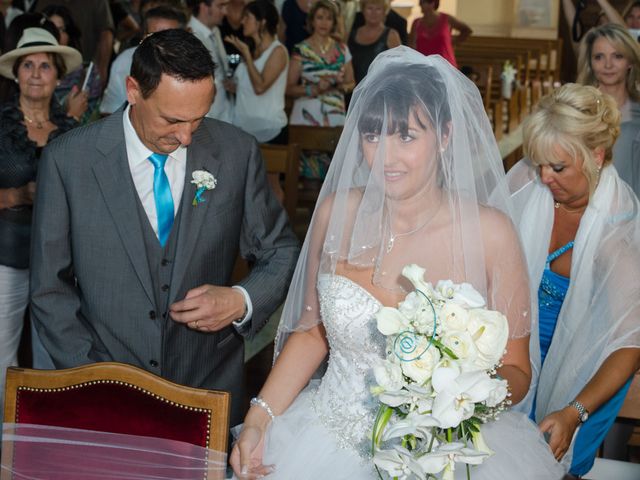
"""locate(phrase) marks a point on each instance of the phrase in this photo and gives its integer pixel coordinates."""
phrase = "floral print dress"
(325, 110)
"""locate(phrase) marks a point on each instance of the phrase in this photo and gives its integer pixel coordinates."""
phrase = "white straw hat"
(38, 40)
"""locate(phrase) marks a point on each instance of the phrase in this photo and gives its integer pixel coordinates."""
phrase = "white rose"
(453, 318)
(446, 289)
(420, 369)
(498, 393)
(462, 346)
(410, 306)
(390, 321)
(388, 376)
(490, 332)
(415, 275)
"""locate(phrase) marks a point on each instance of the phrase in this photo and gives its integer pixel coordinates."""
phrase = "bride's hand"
(246, 456)
(561, 425)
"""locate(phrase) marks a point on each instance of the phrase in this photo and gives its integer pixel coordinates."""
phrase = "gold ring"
(195, 324)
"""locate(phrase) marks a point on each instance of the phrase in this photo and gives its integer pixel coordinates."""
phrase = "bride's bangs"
(407, 91)
(393, 113)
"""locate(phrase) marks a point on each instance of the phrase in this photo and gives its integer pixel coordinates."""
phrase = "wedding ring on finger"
(195, 324)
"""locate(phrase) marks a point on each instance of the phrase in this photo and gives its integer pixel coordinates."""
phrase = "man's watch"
(583, 413)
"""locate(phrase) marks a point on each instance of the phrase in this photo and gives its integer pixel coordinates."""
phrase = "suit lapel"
(201, 155)
(116, 185)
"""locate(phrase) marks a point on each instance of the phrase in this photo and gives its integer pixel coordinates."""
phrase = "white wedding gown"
(325, 433)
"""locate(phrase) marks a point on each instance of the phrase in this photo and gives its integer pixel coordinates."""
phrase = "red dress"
(436, 39)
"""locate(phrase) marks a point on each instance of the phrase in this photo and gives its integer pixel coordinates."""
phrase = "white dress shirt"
(142, 171)
(221, 109)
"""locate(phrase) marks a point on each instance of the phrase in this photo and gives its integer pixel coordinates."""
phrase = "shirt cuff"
(248, 308)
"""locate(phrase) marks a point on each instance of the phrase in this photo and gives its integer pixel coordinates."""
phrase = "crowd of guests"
(575, 212)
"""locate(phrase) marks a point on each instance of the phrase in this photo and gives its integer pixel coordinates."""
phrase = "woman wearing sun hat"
(27, 123)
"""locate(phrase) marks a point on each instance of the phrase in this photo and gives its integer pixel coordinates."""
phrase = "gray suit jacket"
(92, 297)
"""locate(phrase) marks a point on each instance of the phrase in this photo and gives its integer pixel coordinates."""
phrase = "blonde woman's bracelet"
(259, 401)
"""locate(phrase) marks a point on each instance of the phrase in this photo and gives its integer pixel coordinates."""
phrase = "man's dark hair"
(174, 52)
(194, 5)
(166, 13)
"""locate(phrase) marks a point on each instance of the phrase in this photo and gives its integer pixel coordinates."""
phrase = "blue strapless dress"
(553, 289)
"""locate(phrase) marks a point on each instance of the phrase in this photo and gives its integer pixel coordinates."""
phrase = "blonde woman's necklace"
(558, 205)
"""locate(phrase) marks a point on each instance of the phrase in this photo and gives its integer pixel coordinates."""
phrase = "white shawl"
(601, 311)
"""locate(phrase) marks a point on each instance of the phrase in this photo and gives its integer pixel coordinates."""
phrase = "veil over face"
(416, 178)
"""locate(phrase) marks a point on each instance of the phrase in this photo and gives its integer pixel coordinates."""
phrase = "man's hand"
(209, 308)
(561, 425)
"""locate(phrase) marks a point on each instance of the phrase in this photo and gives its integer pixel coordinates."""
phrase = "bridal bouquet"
(438, 383)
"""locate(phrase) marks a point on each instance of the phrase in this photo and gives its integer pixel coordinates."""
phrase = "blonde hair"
(577, 119)
(623, 43)
(385, 3)
(330, 7)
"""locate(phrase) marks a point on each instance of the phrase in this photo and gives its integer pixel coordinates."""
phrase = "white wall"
(487, 17)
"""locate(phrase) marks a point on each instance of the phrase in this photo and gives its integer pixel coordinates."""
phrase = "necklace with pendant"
(324, 48)
(392, 236)
(37, 123)
(558, 205)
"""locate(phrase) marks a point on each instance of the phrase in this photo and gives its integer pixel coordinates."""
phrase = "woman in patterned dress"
(320, 73)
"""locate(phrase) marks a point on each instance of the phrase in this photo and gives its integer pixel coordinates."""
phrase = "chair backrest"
(324, 139)
(118, 399)
(631, 406)
(283, 160)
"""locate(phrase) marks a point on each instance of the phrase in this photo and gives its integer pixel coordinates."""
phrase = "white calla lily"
(480, 444)
(415, 275)
(468, 296)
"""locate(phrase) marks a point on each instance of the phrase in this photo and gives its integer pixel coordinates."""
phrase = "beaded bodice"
(343, 400)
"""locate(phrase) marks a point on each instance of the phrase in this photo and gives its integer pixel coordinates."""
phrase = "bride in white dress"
(416, 178)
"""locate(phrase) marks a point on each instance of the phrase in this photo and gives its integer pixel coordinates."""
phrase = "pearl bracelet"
(259, 401)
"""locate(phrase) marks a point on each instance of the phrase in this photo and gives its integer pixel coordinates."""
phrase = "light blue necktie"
(162, 194)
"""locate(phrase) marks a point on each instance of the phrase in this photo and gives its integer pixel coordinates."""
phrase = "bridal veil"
(465, 234)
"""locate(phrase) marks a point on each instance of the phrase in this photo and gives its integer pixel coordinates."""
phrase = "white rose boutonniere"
(203, 180)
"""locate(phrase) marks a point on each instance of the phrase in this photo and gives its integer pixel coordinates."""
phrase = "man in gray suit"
(131, 258)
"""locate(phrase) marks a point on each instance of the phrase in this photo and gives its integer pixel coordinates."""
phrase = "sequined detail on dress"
(343, 401)
(551, 293)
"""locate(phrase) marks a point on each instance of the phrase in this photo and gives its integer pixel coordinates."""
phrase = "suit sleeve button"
(153, 363)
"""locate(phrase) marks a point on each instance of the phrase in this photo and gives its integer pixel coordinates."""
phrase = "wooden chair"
(282, 164)
(117, 399)
(323, 139)
(631, 410)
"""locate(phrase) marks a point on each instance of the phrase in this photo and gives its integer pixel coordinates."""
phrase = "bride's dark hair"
(404, 90)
